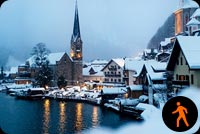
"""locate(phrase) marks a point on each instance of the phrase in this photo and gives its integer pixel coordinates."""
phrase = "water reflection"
(78, 123)
(46, 117)
(62, 117)
(95, 116)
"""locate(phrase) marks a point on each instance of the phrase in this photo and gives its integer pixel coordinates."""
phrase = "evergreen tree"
(44, 76)
(61, 82)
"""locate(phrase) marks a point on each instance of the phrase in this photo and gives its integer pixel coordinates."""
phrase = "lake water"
(54, 117)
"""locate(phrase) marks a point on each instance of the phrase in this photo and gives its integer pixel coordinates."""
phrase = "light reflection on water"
(78, 123)
(94, 116)
(62, 117)
(46, 117)
(53, 117)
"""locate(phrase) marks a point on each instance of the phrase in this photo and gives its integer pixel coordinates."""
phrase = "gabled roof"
(133, 64)
(190, 46)
(96, 68)
(52, 57)
(193, 21)
(118, 61)
(154, 69)
(196, 13)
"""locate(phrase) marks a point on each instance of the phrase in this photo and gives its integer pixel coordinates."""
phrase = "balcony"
(179, 83)
(112, 75)
(112, 68)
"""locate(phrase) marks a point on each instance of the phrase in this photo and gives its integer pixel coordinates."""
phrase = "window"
(177, 62)
(111, 80)
(119, 80)
(181, 77)
(115, 80)
(181, 61)
(177, 77)
(192, 79)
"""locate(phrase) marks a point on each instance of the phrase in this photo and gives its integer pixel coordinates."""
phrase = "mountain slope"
(165, 31)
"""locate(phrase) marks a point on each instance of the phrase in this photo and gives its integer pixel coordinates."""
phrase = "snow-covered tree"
(40, 53)
(44, 73)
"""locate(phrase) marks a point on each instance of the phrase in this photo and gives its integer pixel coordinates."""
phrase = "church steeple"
(76, 42)
(76, 29)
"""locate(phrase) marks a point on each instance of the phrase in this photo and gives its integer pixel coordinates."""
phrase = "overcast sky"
(109, 28)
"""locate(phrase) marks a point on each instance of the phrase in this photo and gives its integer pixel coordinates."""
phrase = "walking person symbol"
(182, 111)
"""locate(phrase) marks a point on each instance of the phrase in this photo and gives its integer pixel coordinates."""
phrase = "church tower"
(183, 14)
(76, 42)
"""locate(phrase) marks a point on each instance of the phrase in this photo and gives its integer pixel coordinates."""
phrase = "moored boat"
(31, 93)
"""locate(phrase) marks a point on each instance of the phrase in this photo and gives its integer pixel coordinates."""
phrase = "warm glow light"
(95, 116)
(78, 124)
(72, 54)
(62, 117)
(46, 117)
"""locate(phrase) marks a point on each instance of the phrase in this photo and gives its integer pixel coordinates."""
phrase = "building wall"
(183, 69)
(93, 78)
(77, 72)
(182, 17)
(113, 73)
(64, 68)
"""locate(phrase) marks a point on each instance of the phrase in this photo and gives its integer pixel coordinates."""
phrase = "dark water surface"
(54, 117)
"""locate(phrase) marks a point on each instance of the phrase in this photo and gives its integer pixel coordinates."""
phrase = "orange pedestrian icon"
(182, 111)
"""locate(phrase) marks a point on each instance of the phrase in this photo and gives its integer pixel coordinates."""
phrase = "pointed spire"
(76, 29)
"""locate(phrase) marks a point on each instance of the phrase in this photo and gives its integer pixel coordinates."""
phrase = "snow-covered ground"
(153, 123)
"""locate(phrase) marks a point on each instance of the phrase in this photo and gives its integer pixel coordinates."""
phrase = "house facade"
(184, 62)
(113, 71)
(92, 71)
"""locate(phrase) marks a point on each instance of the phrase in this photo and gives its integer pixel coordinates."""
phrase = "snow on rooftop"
(152, 65)
(99, 62)
(196, 13)
(188, 4)
(190, 46)
(167, 41)
(97, 69)
(136, 87)
(193, 21)
(119, 61)
(114, 90)
(13, 70)
(52, 57)
(133, 64)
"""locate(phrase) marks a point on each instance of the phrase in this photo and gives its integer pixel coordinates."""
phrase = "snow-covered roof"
(191, 49)
(196, 13)
(188, 4)
(114, 90)
(52, 57)
(96, 68)
(133, 64)
(119, 61)
(13, 70)
(153, 65)
(99, 62)
(193, 21)
(167, 41)
(136, 87)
